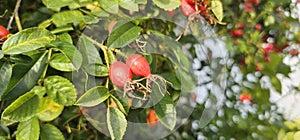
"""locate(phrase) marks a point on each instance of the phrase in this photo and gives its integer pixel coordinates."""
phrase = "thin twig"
(16, 16)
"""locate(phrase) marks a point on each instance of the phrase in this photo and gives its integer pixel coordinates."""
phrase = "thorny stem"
(16, 16)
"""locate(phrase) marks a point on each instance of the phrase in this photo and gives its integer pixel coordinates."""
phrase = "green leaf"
(5, 74)
(166, 112)
(22, 109)
(61, 62)
(129, 5)
(171, 49)
(280, 134)
(57, 4)
(167, 4)
(116, 122)
(28, 130)
(111, 56)
(297, 122)
(297, 135)
(123, 35)
(49, 110)
(276, 83)
(50, 132)
(171, 77)
(25, 76)
(217, 9)
(66, 17)
(1, 54)
(111, 6)
(70, 51)
(60, 89)
(289, 136)
(39, 90)
(65, 37)
(141, 1)
(99, 70)
(290, 125)
(89, 51)
(119, 104)
(93, 97)
(27, 40)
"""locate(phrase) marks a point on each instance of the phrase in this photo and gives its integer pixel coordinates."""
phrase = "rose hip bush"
(89, 69)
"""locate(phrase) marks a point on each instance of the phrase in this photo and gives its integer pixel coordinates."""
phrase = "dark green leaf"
(166, 112)
(123, 35)
(276, 83)
(61, 62)
(100, 70)
(50, 132)
(172, 78)
(5, 74)
(49, 110)
(60, 89)
(20, 58)
(89, 51)
(167, 4)
(111, 6)
(70, 51)
(28, 130)
(22, 109)
(27, 40)
(93, 97)
(25, 76)
(116, 122)
(66, 17)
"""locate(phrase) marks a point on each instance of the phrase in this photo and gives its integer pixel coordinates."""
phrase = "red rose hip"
(119, 74)
(138, 65)
(186, 8)
(245, 97)
(3, 33)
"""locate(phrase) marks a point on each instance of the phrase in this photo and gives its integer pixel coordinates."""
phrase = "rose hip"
(152, 119)
(3, 33)
(138, 65)
(119, 74)
(186, 8)
(245, 97)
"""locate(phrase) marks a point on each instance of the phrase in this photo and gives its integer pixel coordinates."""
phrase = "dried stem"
(15, 16)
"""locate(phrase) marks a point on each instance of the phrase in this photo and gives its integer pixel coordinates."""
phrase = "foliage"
(55, 72)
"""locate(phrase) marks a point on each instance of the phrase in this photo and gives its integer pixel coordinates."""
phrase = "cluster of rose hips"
(248, 6)
(238, 31)
(189, 7)
(121, 74)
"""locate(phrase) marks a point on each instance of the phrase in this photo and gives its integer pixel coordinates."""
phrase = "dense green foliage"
(214, 65)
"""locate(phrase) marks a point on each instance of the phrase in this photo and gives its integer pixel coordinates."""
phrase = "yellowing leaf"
(217, 9)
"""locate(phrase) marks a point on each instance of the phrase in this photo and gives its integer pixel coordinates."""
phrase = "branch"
(16, 16)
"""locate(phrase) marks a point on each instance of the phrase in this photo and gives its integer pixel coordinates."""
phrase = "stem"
(104, 49)
(47, 65)
(16, 16)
